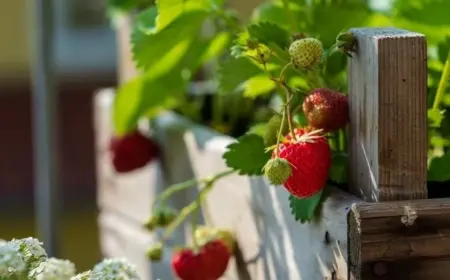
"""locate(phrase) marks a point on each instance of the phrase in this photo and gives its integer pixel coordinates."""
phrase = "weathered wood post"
(392, 236)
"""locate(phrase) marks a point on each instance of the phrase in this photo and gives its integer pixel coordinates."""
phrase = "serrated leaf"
(303, 209)
(267, 33)
(258, 85)
(438, 170)
(235, 71)
(169, 10)
(247, 155)
(150, 46)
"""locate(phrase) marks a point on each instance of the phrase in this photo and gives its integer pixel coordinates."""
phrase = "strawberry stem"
(289, 113)
(194, 219)
(443, 83)
(195, 205)
(280, 132)
(171, 190)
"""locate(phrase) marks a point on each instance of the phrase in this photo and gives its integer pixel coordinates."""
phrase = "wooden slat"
(388, 115)
(400, 240)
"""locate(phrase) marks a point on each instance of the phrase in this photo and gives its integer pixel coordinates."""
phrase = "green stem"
(194, 220)
(443, 83)
(186, 211)
(287, 66)
(193, 206)
(280, 131)
(171, 190)
(289, 113)
(290, 15)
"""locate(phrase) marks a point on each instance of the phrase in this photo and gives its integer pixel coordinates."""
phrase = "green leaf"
(267, 33)
(339, 168)
(438, 170)
(444, 49)
(258, 129)
(169, 10)
(304, 209)
(435, 117)
(330, 19)
(158, 49)
(145, 95)
(258, 85)
(235, 71)
(429, 12)
(273, 11)
(247, 155)
(217, 46)
(335, 64)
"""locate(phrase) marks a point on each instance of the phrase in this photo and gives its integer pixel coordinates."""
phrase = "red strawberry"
(310, 158)
(326, 109)
(217, 255)
(209, 263)
(132, 151)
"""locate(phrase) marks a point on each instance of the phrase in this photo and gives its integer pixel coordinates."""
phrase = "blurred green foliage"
(169, 45)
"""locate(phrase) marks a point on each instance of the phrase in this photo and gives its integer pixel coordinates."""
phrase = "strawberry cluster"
(301, 160)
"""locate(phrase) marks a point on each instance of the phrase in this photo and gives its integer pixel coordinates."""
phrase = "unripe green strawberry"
(277, 171)
(306, 53)
(155, 252)
(161, 218)
(273, 126)
(326, 109)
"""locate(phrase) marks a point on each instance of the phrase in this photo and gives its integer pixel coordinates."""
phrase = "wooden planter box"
(387, 230)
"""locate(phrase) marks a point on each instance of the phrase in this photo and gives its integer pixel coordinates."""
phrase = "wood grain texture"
(388, 115)
(399, 240)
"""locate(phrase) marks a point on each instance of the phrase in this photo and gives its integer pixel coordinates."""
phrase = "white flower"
(11, 261)
(55, 269)
(30, 246)
(117, 269)
(31, 250)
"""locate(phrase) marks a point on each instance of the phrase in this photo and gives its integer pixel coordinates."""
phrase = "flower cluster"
(26, 258)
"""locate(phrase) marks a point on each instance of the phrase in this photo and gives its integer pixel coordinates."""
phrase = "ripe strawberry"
(310, 157)
(204, 234)
(277, 171)
(132, 151)
(216, 258)
(187, 265)
(326, 109)
(209, 263)
(306, 53)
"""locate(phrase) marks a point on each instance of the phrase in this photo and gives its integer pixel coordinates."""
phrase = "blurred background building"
(85, 61)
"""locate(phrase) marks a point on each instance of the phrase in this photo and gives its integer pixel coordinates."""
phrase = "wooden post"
(388, 115)
(392, 236)
(399, 240)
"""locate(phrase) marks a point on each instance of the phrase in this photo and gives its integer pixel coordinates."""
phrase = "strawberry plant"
(284, 53)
